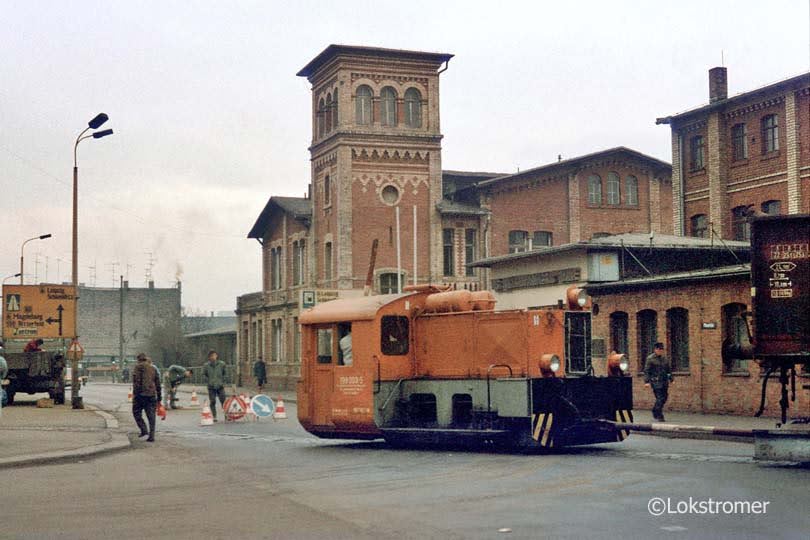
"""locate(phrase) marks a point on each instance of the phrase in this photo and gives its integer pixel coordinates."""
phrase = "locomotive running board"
(440, 434)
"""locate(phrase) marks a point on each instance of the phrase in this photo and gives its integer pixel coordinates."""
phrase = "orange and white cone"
(206, 418)
(129, 397)
(195, 401)
(280, 413)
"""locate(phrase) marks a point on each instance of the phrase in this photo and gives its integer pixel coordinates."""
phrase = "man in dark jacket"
(658, 374)
(214, 377)
(174, 376)
(146, 394)
(260, 372)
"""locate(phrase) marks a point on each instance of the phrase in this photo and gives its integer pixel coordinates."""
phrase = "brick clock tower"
(376, 146)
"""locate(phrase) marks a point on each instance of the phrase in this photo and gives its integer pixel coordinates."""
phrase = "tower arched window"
(321, 118)
(362, 111)
(328, 112)
(413, 108)
(388, 106)
(334, 109)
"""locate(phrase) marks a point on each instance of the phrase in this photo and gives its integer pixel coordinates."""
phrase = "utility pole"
(121, 323)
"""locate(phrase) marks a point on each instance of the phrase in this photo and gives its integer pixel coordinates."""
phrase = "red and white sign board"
(235, 408)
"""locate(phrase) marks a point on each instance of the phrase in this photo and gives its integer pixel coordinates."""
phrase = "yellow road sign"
(39, 311)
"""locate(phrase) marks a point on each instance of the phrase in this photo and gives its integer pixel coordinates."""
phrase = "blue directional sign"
(262, 406)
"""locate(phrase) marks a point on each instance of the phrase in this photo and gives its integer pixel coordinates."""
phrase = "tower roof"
(336, 50)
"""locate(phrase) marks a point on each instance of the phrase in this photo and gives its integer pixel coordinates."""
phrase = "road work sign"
(235, 408)
(262, 406)
(39, 311)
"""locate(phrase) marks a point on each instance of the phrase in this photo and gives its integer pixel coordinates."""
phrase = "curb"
(118, 441)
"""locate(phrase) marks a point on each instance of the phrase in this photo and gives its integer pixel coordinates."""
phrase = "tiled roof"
(297, 207)
(706, 274)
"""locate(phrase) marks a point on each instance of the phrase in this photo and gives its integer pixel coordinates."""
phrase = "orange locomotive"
(431, 365)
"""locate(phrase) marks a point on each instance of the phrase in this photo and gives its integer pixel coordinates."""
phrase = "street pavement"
(271, 479)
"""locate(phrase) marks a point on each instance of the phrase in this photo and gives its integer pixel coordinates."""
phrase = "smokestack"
(718, 84)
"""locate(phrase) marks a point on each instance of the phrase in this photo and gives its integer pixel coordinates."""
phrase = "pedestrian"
(3, 374)
(658, 374)
(214, 377)
(260, 372)
(345, 344)
(175, 375)
(146, 394)
(35, 345)
(125, 374)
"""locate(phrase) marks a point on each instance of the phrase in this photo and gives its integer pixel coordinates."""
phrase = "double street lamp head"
(98, 121)
(103, 133)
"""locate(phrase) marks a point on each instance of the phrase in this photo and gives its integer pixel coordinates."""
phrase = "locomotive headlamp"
(576, 297)
(549, 364)
(617, 364)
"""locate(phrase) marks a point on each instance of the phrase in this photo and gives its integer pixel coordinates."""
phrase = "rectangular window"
(388, 283)
(394, 335)
(255, 345)
(275, 328)
(577, 341)
(327, 261)
(327, 191)
(678, 334)
(696, 153)
(259, 339)
(741, 223)
(470, 251)
(541, 239)
(770, 134)
(739, 142)
(449, 261)
(275, 268)
(518, 241)
(614, 196)
(618, 332)
(325, 346)
(772, 208)
(646, 334)
(299, 250)
(631, 191)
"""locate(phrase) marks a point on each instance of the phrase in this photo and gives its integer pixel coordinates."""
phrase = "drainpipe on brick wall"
(681, 202)
(702, 360)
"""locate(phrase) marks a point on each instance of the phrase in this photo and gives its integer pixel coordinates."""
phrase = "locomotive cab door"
(323, 375)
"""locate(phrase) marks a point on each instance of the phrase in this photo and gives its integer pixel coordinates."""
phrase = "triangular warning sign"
(13, 303)
(235, 407)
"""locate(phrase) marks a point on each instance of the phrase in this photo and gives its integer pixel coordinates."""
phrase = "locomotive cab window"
(325, 346)
(394, 335)
(345, 344)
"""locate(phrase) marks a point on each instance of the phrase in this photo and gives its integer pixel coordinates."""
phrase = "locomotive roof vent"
(462, 300)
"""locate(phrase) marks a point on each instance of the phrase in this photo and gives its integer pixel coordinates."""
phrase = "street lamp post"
(95, 123)
(18, 274)
(42, 237)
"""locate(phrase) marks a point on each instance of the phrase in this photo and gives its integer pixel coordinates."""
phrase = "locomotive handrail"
(379, 374)
(390, 395)
(489, 372)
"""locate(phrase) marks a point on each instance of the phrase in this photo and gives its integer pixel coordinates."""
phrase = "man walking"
(260, 372)
(214, 377)
(174, 376)
(658, 374)
(146, 394)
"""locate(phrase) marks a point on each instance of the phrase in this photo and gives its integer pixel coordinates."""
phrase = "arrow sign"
(51, 320)
(262, 406)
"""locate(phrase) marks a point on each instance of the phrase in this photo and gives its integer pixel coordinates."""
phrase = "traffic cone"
(206, 418)
(129, 397)
(280, 413)
(195, 401)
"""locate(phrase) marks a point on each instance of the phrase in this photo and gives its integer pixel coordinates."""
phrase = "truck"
(34, 372)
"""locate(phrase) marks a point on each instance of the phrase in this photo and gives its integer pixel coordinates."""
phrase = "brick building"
(376, 174)
(608, 192)
(741, 155)
(693, 314)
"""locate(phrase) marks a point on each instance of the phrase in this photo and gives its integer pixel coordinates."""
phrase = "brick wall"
(706, 386)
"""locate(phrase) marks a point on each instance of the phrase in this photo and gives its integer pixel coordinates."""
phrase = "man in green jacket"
(174, 376)
(146, 394)
(214, 377)
(658, 374)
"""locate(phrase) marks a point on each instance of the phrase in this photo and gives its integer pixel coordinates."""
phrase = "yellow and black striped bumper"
(623, 417)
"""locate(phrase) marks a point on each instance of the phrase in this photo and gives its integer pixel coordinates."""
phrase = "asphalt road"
(270, 479)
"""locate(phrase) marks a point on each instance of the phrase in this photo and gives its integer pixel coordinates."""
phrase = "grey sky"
(210, 119)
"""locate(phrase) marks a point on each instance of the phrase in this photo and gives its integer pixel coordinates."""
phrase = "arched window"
(614, 196)
(327, 191)
(362, 111)
(646, 333)
(618, 332)
(735, 332)
(518, 241)
(413, 108)
(335, 109)
(699, 226)
(678, 338)
(388, 106)
(328, 113)
(321, 119)
(631, 190)
(594, 189)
